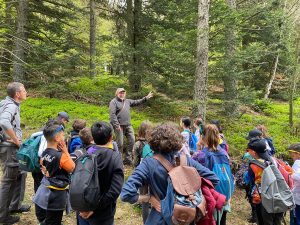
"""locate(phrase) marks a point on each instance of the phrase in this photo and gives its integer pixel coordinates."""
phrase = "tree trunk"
(201, 73)
(135, 78)
(294, 80)
(133, 19)
(93, 24)
(6, 57)
(20, 42)
(269, 85)
(230, 70)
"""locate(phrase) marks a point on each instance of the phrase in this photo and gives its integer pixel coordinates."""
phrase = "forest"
(234, 60)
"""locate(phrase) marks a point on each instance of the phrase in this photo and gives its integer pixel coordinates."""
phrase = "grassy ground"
(35, 111)
(131, 215)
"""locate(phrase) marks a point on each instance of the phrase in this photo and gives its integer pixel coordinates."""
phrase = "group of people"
(158, 150)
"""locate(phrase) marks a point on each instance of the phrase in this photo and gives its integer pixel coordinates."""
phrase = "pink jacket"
(214, 200)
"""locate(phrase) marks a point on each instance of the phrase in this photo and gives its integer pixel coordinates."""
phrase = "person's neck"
(52, 145)
(186, 128)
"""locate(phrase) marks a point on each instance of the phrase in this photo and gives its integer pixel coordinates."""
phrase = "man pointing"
(119, 113)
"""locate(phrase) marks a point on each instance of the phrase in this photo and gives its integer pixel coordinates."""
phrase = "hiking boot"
(9, 220)
(23, 208)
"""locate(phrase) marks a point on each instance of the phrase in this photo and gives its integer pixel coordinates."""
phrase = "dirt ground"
(131, 215)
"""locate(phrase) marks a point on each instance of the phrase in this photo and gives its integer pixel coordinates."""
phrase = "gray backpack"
(84, 188)
(276, 195)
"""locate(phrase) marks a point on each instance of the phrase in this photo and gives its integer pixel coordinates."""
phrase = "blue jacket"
(152, 173)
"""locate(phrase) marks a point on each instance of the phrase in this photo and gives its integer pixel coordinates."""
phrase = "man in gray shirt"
(13, 180)
(119, 113)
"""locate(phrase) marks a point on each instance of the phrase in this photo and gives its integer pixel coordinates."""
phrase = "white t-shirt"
(296, 178)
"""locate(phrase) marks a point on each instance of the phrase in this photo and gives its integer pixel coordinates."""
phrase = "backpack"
(184, 202)
(193, 142)
(276, 195)
(84, 188)
(70, 143)
(27, 155)
(146, 151)
(239, 176)
(218, 162)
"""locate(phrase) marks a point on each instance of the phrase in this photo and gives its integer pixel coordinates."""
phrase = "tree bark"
(20, 42)
(201, 73)
(269, 85)
(135, 78)
(6, 56)
(294, 80)
(93, 25)
(230, 70)
(135, 67)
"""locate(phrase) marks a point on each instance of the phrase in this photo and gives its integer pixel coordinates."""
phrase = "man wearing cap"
(12, 185)
(63, 117)
(119, 114)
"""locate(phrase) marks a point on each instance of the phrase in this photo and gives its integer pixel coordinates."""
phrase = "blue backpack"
(147, 151)
(193, 142)
(218, 162)
(28, 154)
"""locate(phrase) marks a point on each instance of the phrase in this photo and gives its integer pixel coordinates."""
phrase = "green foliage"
(261, 105)
(36, 111)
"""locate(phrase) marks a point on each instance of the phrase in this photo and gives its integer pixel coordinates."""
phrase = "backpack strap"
(183, 160)
(164, 162)
(258, 163)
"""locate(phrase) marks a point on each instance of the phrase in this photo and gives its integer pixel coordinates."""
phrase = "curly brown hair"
(166, 138)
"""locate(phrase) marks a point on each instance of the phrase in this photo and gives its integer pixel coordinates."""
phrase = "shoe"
(9, 220)
(23, 208)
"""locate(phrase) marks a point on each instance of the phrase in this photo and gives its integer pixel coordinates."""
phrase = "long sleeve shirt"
(119, 111)
(10, 117)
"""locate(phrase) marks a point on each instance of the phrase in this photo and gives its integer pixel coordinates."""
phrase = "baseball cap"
(64, 115)
(258, 145)
(120, 90)
(254, 134)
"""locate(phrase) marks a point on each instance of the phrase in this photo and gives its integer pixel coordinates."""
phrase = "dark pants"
(265, 218)
(81, 221)
(295, 216)
(39, 212)
(11, 181)
(53, 217)
(18, 196)
(105, 222)
(128, 132)
(145, 206)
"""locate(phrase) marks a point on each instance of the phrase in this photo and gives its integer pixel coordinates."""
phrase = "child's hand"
(62, 146)
(86, 215)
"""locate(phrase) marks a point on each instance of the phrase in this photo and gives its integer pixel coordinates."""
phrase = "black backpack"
(84, 188)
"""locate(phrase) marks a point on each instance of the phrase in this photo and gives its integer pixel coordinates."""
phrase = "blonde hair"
(211, 136)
